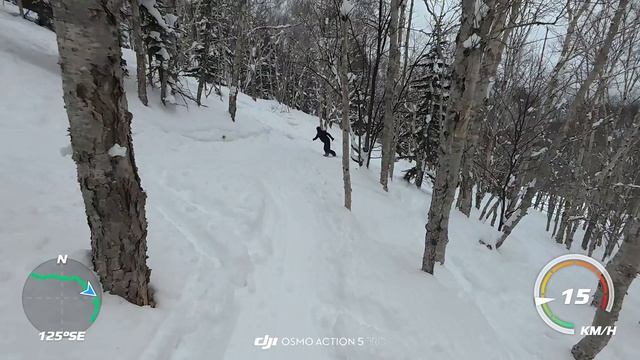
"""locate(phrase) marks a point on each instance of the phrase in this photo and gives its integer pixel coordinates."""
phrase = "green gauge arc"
(72, 278)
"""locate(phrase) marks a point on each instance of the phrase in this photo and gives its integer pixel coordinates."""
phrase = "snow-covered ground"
(248, 237)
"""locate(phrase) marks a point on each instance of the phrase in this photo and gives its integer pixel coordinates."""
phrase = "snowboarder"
(324, 137)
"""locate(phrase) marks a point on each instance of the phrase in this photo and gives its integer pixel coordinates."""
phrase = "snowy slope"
(248, 237)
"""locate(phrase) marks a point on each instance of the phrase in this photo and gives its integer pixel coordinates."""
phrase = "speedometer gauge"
(543, 298)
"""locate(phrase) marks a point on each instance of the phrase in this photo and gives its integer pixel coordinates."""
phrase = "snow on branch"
(150, 5)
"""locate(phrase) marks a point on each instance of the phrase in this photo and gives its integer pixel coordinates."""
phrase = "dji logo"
(265, 342)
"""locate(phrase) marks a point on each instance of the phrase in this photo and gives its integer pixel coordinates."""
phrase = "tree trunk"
(201, 84)
(150, 73)
(465, 193)
(402, 24)
(510, 207)
(539, 198)
(470, 72)
(571, 233)
(612, 241)
(494, 212)
(388, 131)
(369, 139)
(564, 222)
(486, 207)
(141, 67)
(588, 233)
(596, 239)
(479, 195)
(466, 69)
(551, 205)
(406, 42)
(623, 268)
(419, 169)
(556, 220)
(320, 109)
(346, 126)
(237, 60)
(100, 129)
(517, 215)
(164, 80)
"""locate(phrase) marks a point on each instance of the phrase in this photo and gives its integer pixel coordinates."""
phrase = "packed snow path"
(248, 237)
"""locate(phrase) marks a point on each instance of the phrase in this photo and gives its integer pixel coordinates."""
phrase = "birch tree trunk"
(100, 129)
(163, 71)
(465, 193)
(237, 60)
(407, 37)
(389, 96)
(557, 216)
(538, 201)
(591, 225)
(564, 222)
(396, 90)
(346, 126)
(486, 207)
(571, 232)
(463, 94)
(479, 195)
(369, 140)
(140, 53)
(519, 213)
(492, 56)
(623, 268)
(494, 212)
(419, 168)
(551, 205)
(515, 218)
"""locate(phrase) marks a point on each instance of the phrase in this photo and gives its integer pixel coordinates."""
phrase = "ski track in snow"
(248, 237)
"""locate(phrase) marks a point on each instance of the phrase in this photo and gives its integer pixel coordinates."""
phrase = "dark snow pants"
(327, 149)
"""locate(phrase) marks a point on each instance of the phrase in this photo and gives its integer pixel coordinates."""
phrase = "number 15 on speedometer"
(582, 296)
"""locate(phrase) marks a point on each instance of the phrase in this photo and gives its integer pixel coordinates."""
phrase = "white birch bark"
(389, 96)
(237, 60)
(96, 104)
(396, 89)
(140, 53)
(623, 268)
(464, 95)
(346, 126)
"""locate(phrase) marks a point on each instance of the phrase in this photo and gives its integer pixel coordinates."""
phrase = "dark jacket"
(323, 135)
